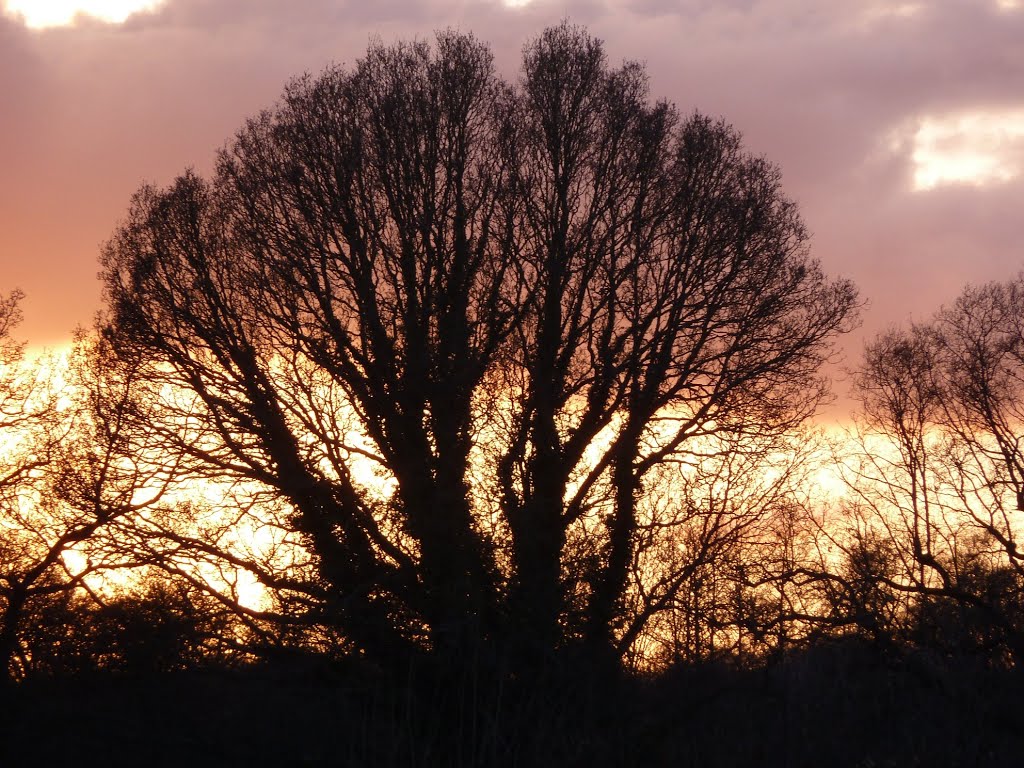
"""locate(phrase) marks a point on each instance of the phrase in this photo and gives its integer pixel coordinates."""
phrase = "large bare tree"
(451, 325)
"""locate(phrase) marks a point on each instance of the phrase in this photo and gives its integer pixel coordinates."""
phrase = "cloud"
(38, 14)
(90, 112)
(22, 74)
(973, 147)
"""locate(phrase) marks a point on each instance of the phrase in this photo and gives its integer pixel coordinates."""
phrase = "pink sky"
(899, 127)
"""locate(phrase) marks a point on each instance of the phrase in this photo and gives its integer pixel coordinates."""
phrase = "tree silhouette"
(452, 325)
(68, 482)
(23, 412)
(943, 481)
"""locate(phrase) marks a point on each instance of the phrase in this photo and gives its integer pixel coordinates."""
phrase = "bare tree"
(68, 480)
(22, 411)
(453, 325)
(943, 476)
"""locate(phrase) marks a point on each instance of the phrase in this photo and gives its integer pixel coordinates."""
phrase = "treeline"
(113, 564)
(509, 380)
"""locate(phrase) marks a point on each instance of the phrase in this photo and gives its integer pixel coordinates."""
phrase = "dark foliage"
(168, 628)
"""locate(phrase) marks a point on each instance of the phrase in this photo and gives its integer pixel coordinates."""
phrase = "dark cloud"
(823, 89)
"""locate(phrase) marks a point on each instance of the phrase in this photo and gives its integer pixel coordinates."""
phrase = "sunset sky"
(899, 127)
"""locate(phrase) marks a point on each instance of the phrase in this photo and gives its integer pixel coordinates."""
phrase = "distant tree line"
(438, 367)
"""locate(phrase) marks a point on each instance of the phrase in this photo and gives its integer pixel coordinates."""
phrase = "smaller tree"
(67, 481)
(27, 413)
(942, 464)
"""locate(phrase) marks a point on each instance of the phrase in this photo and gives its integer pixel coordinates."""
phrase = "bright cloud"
(57, 13)
(884, 11)
(976, 148)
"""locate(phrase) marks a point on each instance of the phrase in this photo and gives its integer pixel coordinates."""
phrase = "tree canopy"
(450, 336)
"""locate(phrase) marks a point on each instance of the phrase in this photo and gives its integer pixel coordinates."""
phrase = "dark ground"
(837, 707)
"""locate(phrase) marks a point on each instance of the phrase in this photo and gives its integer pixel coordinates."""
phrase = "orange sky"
(899, 127)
